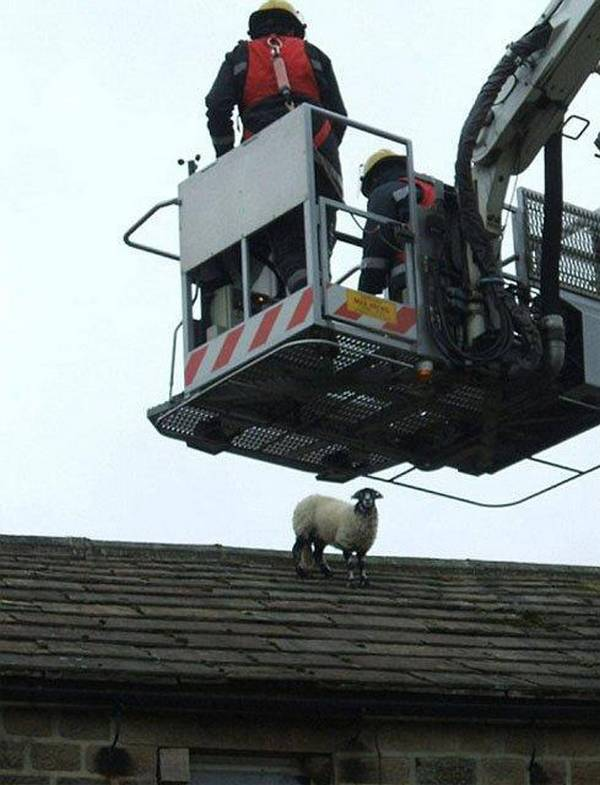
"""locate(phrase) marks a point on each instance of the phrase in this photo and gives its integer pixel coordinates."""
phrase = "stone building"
(141, 664)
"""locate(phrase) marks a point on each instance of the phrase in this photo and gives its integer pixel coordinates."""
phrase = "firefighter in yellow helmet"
(247, 79)
(385, 184)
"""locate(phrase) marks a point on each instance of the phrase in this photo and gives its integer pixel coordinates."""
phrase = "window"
(233, 770)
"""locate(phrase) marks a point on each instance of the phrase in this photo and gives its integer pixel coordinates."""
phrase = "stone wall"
(60, 746)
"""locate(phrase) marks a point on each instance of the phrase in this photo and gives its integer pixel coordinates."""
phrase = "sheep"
(319, 521)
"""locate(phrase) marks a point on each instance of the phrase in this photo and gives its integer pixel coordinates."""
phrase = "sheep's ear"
(378, 495)
(356, 495)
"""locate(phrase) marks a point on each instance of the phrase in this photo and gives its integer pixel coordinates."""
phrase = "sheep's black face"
(367, 498)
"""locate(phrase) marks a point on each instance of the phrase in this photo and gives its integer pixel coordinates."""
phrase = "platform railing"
(144, 219)
(579, 265)
(316, 207)
(408, 240)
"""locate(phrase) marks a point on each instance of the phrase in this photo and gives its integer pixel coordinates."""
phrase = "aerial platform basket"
(332, 381)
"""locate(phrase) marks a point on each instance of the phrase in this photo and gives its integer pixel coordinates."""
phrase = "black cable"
(454, 352)
(477, 236)
(118, 718)
(479, 239)
(377, 230)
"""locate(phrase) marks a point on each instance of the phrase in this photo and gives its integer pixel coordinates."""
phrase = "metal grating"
(465, 398)
(333, 409)
(353, 350)
(580, 258)
(184, 422)
(347, 407)
(416, 422)
(258, 438)
(337, 411)
(312, 451)
(305, 406)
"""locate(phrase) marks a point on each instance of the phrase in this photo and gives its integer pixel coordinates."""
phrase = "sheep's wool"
(358, 534)
(335, 522)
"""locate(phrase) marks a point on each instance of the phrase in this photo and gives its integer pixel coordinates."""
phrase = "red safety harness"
(428, 199)
(428, 192)
(280, 65)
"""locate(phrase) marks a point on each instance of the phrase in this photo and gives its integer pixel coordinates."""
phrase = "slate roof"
(214, 617)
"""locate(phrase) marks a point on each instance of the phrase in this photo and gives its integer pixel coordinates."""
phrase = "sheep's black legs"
(320, 558)
(360, 563)
(318, 547)
(299, 546)
(360, 558)
(349, 565)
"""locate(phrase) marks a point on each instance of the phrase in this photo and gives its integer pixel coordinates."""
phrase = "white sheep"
(322, 520)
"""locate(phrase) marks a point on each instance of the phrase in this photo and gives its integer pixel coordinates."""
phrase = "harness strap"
(281, 75)
(319, 138)
(322, 134)
(283, 84)
(428, 192)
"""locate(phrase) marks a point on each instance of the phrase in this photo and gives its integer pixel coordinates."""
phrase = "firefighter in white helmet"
(248, 79)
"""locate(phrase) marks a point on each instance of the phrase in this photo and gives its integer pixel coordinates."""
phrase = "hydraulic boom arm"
(532, 103)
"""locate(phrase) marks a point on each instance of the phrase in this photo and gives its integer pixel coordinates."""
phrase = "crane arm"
(532, 102)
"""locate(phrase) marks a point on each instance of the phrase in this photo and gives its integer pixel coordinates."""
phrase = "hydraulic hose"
(480, 240)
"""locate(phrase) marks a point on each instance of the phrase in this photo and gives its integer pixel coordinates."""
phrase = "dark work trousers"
(286, 234)
(384, 261)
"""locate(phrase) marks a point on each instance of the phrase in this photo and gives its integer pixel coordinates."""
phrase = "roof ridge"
(83, 547)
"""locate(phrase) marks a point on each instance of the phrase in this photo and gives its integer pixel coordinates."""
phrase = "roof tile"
(150, 614)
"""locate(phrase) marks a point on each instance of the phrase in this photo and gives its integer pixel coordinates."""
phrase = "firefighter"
(249, 80)
(385, 184)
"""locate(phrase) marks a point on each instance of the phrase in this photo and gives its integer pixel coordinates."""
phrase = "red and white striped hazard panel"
(261, 332)
(287, 318)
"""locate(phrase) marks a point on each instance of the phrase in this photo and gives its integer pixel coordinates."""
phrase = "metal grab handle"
(141, 222)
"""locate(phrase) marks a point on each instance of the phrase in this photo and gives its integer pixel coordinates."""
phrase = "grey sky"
(100, 99)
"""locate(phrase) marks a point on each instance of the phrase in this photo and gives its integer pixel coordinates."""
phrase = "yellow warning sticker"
(367, 305)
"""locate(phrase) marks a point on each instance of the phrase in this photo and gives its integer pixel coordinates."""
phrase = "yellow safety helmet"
(372, 163)
(278, 6)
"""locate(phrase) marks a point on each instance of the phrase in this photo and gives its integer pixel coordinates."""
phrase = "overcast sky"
(100, 99)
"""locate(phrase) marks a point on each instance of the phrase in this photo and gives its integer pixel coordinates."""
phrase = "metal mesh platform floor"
(342, 409)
